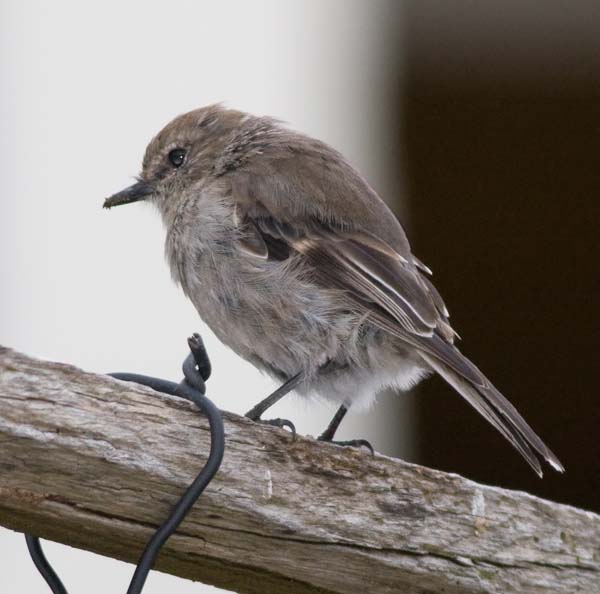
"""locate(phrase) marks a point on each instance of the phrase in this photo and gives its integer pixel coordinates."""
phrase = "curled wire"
(196, 370)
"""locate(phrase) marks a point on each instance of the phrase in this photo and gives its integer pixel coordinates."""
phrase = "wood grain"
(97, 463)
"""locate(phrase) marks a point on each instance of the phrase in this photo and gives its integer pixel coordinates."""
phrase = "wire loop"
(196, 370)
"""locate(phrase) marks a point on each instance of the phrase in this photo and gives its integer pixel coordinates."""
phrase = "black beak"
(139, 191)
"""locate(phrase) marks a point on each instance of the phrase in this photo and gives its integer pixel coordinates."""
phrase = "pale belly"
(272, 315)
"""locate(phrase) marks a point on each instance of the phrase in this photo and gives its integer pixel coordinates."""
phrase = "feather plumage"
(296, 263)
(387, 283)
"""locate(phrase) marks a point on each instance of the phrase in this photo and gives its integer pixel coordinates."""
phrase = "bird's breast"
(269, 312)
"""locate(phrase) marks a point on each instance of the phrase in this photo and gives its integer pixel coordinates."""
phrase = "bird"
(296, 264)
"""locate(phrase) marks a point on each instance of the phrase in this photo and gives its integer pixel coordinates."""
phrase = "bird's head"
(181, 157)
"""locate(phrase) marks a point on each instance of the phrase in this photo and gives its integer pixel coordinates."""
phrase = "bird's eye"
(177, 157)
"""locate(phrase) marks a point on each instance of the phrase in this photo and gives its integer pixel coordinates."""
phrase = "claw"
(281, 423)
(355, 443)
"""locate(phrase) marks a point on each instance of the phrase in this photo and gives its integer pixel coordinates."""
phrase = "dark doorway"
(501, 141)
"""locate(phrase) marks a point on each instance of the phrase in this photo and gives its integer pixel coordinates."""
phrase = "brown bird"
(296, 264)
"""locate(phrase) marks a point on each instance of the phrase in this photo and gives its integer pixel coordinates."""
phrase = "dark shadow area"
(502, 159)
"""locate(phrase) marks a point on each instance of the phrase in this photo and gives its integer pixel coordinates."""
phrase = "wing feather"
(384, 281)
(475, 399)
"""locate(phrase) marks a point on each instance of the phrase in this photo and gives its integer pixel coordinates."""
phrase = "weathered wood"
(97, 463)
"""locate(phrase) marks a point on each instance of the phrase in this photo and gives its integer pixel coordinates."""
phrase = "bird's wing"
(376, 279)
(296, 179)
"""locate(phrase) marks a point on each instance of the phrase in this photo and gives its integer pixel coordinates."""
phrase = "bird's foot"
(281, 423)
(256, 412)
(352, 443)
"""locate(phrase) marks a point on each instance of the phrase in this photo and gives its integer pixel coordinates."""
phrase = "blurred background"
(479, 123)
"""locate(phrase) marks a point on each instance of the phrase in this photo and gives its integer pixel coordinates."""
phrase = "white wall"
(84, 87)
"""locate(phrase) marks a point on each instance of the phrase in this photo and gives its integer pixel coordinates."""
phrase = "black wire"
(192, 388)
(217, 446)
(35, 550)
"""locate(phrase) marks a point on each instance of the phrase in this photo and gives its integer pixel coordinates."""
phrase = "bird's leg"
(328, 434)
(256, 412)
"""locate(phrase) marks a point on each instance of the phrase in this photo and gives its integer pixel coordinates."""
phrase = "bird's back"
(299, 179)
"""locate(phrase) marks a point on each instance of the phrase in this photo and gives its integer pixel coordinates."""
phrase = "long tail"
(478, 391)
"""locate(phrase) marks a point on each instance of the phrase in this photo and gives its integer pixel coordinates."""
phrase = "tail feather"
(476, 389)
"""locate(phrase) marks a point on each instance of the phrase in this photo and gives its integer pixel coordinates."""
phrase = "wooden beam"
(96, 463)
